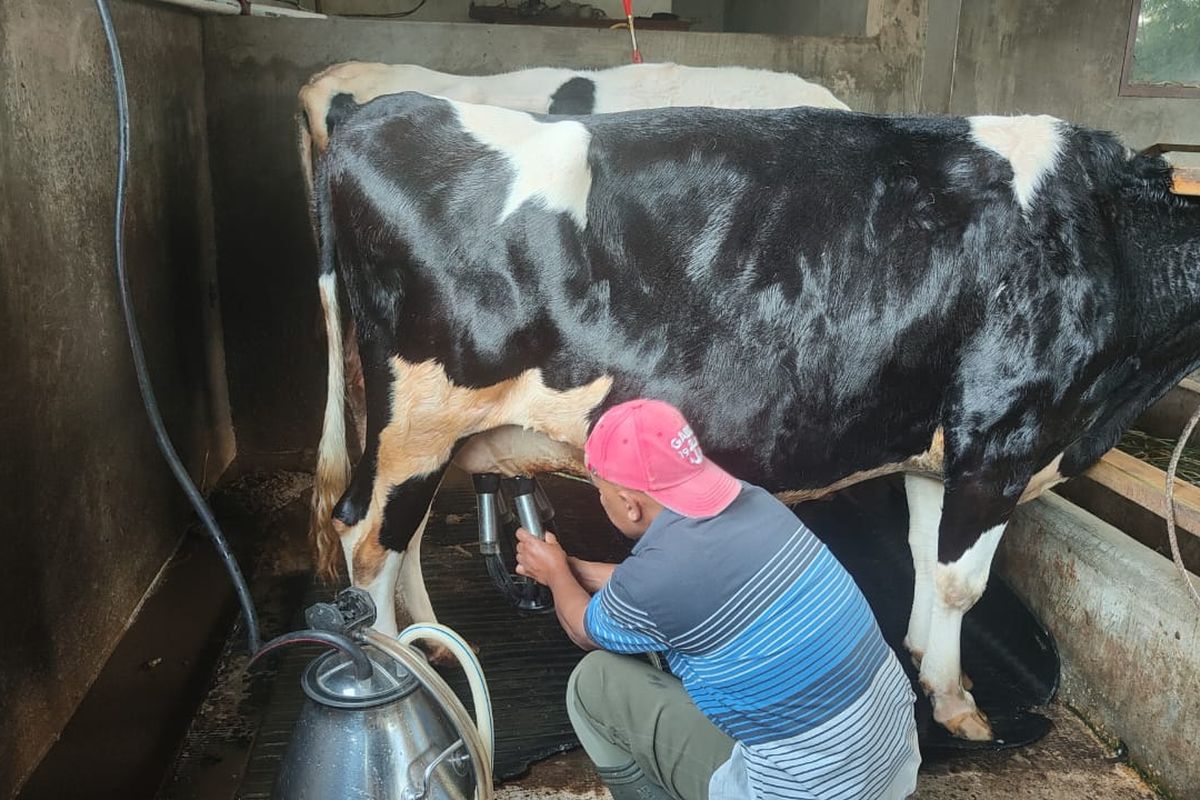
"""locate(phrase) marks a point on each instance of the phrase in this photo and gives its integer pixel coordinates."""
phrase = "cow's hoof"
(437, 654)
(970, 725)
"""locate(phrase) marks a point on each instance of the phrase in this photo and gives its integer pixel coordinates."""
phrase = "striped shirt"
(776, 645)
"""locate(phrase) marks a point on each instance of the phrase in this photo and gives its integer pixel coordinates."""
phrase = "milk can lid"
(330, 680)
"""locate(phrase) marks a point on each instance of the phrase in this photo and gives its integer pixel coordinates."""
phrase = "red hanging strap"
(637, 54)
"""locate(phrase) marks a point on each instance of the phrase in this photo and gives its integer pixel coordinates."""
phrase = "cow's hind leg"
(381, 539)
(973, 521)
(388, 565)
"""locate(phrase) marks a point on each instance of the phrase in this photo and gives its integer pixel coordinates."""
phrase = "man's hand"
(546, 563)
(543, 561)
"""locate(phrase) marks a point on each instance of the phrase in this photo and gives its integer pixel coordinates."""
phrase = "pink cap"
(647, 445)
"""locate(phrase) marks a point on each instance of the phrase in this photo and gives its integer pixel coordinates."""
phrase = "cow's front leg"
(924, 517)
(924, 514)
(973, 520)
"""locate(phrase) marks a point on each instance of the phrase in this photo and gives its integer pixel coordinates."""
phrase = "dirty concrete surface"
(1069, 764)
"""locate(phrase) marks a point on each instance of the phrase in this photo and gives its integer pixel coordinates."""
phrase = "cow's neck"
(1162, 245)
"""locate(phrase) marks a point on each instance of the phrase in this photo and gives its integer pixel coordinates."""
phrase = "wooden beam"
(1169, 147)
(1145, 485)
(1186, 180)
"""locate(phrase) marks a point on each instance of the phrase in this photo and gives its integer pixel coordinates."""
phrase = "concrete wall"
(254, 68)
(806, 18)
(458, 10)
(1128, 633)
(88, 511)
(1060, 57)
(704, 15)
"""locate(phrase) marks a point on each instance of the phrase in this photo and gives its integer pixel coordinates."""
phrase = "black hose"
(343, 644)
(135, 340)
(501, 578)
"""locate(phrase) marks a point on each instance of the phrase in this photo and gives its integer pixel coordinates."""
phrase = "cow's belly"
(512, 450)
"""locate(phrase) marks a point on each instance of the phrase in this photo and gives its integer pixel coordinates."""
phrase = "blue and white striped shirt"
(775, 644)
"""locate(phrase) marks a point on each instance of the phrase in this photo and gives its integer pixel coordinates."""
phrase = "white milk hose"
(478, 735)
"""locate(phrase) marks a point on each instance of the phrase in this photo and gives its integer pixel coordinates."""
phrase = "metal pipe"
(545, 508)
(260, 10)
(535, 597)
(229, 7)
(232, 8)
(487, 486)
(527, 510)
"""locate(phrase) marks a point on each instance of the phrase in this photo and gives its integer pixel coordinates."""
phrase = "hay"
(1157, 453)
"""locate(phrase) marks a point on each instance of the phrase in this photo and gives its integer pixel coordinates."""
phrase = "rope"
(1176, 556)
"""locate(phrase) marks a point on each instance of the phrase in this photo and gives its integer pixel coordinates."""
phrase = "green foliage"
(1167, 47)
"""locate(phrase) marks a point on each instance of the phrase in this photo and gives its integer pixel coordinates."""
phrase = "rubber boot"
(630, 783)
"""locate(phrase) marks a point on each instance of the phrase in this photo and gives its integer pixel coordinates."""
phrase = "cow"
(984, 304)
(341, 88)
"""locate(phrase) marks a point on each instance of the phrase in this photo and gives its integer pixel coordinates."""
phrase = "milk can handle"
(421, 790)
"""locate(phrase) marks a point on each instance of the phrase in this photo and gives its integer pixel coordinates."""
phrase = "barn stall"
(122, 663)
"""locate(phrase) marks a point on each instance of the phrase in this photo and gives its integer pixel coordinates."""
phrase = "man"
(785, 687)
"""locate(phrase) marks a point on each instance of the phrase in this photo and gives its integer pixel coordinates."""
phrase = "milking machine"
(494, 497)
(379, 721)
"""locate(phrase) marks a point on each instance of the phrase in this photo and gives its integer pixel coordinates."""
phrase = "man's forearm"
(570, 603)
(592, 575)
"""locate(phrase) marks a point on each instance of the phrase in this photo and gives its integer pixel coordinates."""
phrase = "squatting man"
(780, 684)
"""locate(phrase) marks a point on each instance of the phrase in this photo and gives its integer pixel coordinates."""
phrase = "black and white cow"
(339, 89)
(982, 303)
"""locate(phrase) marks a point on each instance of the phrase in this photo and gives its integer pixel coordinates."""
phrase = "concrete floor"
(1069, 764)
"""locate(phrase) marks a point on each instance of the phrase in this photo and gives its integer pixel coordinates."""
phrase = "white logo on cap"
(686, 445)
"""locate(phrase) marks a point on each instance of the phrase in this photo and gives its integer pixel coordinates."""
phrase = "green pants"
(623, 709)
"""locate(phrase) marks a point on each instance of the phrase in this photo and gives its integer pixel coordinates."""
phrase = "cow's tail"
(333, 460)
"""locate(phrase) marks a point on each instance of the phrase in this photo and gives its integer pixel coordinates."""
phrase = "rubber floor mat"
(527, 659)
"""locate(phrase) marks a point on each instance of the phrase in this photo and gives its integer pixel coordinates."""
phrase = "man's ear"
(633, 506)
